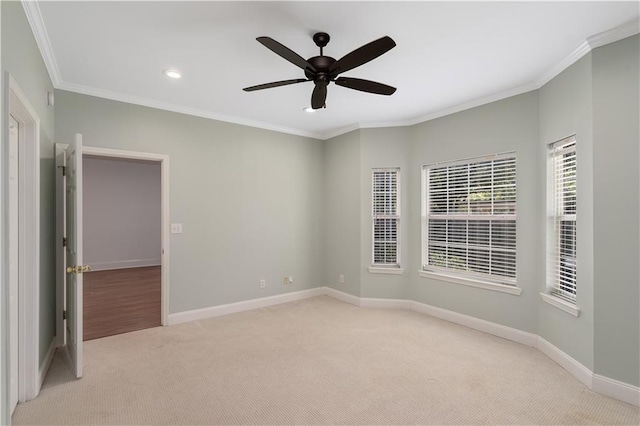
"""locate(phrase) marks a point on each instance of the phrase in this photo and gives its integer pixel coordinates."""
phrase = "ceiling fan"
(324, 69)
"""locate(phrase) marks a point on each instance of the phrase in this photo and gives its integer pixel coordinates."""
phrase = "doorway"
(122, 244)
(162, 269)
(22, 231)
(13, 213)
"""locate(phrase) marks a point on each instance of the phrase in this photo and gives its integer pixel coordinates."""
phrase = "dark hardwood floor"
(120, 301)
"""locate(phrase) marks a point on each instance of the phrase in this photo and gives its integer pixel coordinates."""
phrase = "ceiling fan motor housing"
(322, 64)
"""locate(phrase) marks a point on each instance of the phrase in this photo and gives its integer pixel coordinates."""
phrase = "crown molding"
(565, 63)
(152, 103)
(440, 113)
(473, 103)
(623, 31)
(340, 131)
(34, 17)
(615, 34)
(598, 40)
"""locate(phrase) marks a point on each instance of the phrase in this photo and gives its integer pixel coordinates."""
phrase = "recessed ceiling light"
(308, 109)
(172, 73)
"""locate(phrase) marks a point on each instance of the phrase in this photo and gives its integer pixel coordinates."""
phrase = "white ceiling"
(449, 55)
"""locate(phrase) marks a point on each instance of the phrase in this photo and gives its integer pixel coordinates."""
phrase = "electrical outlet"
(263, 283)
(285, 281)
(341, 279)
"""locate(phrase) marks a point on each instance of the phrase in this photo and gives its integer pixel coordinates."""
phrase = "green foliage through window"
(470, 222)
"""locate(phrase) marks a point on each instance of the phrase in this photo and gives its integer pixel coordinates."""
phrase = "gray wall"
(503, 126)
(342, 212)
(616, 137)
(566, 109)
(121, 213)
(21, 57)
(385, 147)
(250, 200)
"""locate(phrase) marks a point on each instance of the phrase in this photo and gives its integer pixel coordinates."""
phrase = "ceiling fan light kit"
(172, 73)
(323, 70)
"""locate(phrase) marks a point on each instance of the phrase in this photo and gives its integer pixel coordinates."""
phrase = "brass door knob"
(78, 269)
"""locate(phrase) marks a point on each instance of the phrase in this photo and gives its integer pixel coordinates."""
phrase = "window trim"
(395, 270)
(552, 296)
(561, 304)
(472, 282)
(387, 268)
(486, 281)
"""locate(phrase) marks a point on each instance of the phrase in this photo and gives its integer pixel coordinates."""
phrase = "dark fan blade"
(274, 84)
(319, 96)
(286, 53)
(365, 85)
(362, 55)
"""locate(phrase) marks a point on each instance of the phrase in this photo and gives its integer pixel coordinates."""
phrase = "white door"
(14, 135)
(61, 250)
(74, 253)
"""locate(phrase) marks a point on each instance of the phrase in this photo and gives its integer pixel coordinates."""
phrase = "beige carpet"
(318, 361)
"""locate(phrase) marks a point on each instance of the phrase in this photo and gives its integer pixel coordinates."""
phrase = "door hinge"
(64, 170)
(64, 315)
(64, 241)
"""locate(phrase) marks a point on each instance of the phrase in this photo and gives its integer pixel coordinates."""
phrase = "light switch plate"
(176, 228)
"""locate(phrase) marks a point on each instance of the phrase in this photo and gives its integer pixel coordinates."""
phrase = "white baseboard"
(489, 327)
(600, 384)
(246, 305)
(342, 296)
(366, 302)
(44, 368)
(616, 389)
(370, 302)
(567, 362)
(499, 330)
(124, 264)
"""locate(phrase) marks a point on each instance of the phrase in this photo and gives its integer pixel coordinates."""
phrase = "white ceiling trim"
(152, 103)
(34, 17)
(573, 57)
(36, 22)
(461, 107)
(347, 129)
(611, 36)
(441, 113)
(598, 40)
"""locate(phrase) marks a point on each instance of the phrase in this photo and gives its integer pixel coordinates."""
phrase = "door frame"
(164, 256)
(28, 248)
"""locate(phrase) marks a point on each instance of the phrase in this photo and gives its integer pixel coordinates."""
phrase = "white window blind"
(386, 217)
(469, 218)
(563, 256)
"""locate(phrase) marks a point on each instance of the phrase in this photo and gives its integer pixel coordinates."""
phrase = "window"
(386, 217)
(469, 219)
(562, 265)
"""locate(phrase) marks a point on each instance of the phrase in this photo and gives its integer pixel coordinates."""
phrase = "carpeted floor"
(317, 361)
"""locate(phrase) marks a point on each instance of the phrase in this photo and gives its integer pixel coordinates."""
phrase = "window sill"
(383, 270)
(503, 288)
(563, 305)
